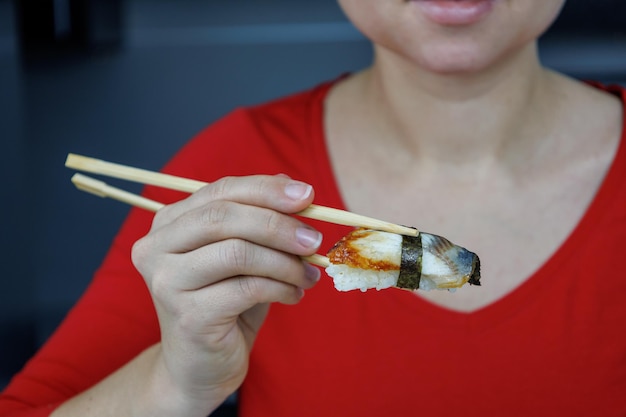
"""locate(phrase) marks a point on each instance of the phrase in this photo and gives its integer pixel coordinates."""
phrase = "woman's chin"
(453, 66)
(452, 61)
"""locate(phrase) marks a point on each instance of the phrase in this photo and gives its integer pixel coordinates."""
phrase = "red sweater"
(554, 346)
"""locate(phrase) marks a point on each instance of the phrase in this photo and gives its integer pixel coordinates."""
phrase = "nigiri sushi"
(366, 259)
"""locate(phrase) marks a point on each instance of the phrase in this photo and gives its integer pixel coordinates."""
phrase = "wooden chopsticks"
(326, 214)
(102, 189)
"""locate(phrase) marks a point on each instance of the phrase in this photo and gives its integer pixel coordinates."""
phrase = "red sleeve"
(102, 332)
(115, 319)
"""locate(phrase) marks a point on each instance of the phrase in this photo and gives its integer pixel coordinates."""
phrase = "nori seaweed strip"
(475, 277)
(410, 263)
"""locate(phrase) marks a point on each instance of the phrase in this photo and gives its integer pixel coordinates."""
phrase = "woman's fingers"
(224, 301)
(213, 263)
(230, 258)
(277, 192)
(229, 228)
(219, 220)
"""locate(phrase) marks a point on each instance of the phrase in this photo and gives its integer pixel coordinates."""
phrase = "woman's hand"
(213, 263)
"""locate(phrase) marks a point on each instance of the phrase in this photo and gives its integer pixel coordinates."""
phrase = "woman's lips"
(454, 12)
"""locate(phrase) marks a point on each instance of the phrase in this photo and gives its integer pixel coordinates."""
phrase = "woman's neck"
(459, 119)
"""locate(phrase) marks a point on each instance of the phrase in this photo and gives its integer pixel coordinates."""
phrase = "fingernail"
(300, 292)
(311, 272)
(308, 238)
(297, 190)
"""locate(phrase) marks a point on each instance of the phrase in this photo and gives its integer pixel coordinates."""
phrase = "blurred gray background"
(131, 80)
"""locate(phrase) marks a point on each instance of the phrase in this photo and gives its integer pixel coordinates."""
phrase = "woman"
(455, 128)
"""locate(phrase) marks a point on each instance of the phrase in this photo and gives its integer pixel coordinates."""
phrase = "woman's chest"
(513, 229)
(550, 350)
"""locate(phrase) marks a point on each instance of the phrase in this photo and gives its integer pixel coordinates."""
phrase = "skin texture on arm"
(213, 263)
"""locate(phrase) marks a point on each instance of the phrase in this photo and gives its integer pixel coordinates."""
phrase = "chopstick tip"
(88, 184)
(68, 159)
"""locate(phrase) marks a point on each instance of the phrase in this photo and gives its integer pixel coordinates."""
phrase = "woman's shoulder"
(607, 111)
(591, 116)
(616, 90)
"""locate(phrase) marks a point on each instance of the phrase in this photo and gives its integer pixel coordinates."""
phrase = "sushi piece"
(366, 259)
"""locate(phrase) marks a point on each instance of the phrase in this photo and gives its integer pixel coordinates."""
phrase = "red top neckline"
(512, 302)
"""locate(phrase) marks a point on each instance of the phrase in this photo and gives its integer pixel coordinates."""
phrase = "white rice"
(347, 278)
